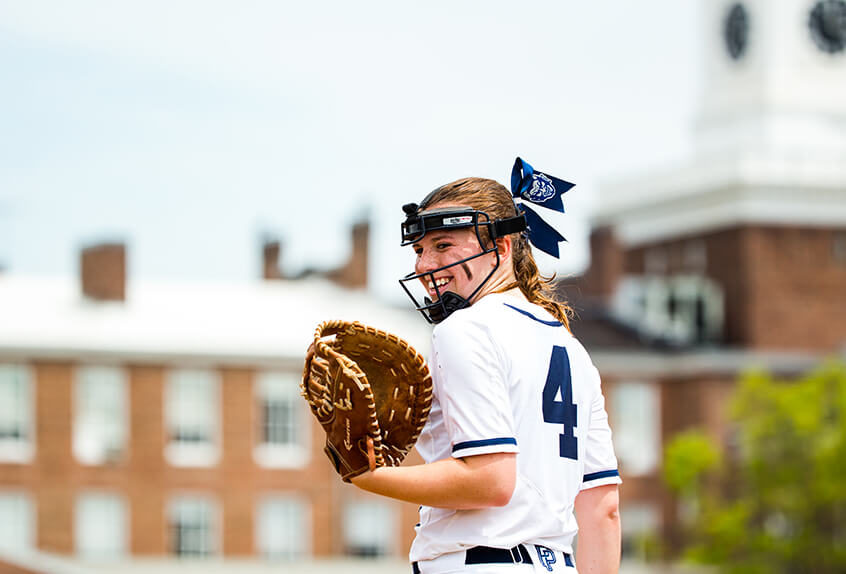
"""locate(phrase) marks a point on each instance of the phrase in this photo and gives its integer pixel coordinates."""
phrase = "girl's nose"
(424, 263)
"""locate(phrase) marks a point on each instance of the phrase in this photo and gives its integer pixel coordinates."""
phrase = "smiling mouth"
(437, 287)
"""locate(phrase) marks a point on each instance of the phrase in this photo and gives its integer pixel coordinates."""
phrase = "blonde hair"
(494, 199)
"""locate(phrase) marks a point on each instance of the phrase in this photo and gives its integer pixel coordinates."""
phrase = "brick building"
(735, 259)
(152, 420)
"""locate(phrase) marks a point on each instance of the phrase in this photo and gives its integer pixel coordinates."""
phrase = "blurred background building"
(153, 420)
(141, 422)
(735, 260)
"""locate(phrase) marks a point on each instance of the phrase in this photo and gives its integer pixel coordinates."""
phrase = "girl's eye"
(443, 245)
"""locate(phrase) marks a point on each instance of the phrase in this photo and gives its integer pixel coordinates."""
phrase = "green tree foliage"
(687, 459)
(775, 500)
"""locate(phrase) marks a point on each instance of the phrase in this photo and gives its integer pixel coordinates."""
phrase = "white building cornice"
(262, 323)
(770, 138)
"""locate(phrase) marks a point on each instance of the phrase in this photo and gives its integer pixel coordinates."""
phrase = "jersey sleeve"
(472, 390)
(600, 461)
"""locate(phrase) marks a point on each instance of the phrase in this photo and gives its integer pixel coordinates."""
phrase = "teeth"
(440, 282)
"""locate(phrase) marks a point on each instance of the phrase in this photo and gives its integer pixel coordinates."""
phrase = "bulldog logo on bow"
(541, 190)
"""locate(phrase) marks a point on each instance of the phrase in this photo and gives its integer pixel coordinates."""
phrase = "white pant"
(542, 563)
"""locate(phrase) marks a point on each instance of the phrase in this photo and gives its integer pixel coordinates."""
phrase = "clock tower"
(775, 80)
(752, 228)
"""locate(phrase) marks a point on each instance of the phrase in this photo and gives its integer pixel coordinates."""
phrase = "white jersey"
(508, 377)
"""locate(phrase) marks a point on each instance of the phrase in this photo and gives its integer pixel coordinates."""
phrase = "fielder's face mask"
(529, 188)
(417, 225)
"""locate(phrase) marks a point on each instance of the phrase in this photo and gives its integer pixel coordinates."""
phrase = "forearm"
(598, 516)
(474, 482)
(599, 549)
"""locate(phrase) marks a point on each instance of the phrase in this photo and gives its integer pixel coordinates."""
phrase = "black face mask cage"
(447, 302)
(415, 228)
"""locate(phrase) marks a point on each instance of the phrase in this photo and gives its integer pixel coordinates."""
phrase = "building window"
(100, 526)
(641, 537)
(16, 444)
(283, 528)
(656, 317)
(17, 523)
(101, 414)
(192, 413)
(370, 528)
(193, 527)
(636, 415)
(696, 313)
(283, 422)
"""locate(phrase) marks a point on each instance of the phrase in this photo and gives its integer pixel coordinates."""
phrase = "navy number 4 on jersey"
(563, 411)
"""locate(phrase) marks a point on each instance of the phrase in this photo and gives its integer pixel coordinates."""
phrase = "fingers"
(371, 454)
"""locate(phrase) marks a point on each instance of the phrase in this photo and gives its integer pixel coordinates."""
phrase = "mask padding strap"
(502, 227)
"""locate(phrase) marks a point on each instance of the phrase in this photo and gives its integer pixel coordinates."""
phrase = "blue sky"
(189, 131)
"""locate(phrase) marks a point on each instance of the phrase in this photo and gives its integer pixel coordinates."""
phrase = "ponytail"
(535, 288)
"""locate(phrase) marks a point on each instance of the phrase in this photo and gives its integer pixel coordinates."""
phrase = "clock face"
(736, 30)
(827, 22)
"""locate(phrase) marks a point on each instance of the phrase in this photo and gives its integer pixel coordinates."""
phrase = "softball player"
(518, 438)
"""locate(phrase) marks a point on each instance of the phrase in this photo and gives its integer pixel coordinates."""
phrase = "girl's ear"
(504, 245)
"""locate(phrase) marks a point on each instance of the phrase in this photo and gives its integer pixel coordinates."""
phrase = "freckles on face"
(445, 248)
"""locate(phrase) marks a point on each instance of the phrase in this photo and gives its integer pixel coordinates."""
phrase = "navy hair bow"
(541, 189)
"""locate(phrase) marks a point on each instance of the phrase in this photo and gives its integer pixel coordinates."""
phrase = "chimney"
(353, 273)
(103, 271)
(270, 260)
(606, 264)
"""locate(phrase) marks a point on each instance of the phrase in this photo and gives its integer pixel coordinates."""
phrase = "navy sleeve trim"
(527, 314)
(485, 442)
(598, 475)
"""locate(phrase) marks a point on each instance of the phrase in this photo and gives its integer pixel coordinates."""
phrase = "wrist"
(365, 480)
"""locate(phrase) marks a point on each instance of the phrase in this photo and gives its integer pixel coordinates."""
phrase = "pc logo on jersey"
(541, 190)
(545, 556)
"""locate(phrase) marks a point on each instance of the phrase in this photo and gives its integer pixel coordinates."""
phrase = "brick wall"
(53, 460)
(606, 264)
(146, 467)
(783, 285)
(55, 478)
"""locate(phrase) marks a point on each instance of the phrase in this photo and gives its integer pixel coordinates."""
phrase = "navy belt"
(489, 555)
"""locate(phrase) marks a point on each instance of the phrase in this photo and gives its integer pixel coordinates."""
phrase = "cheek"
(432, 260)
(466, 251)
(475, 268)
(427, 262)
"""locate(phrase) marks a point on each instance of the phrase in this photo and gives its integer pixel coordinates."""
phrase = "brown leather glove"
(365, 385)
